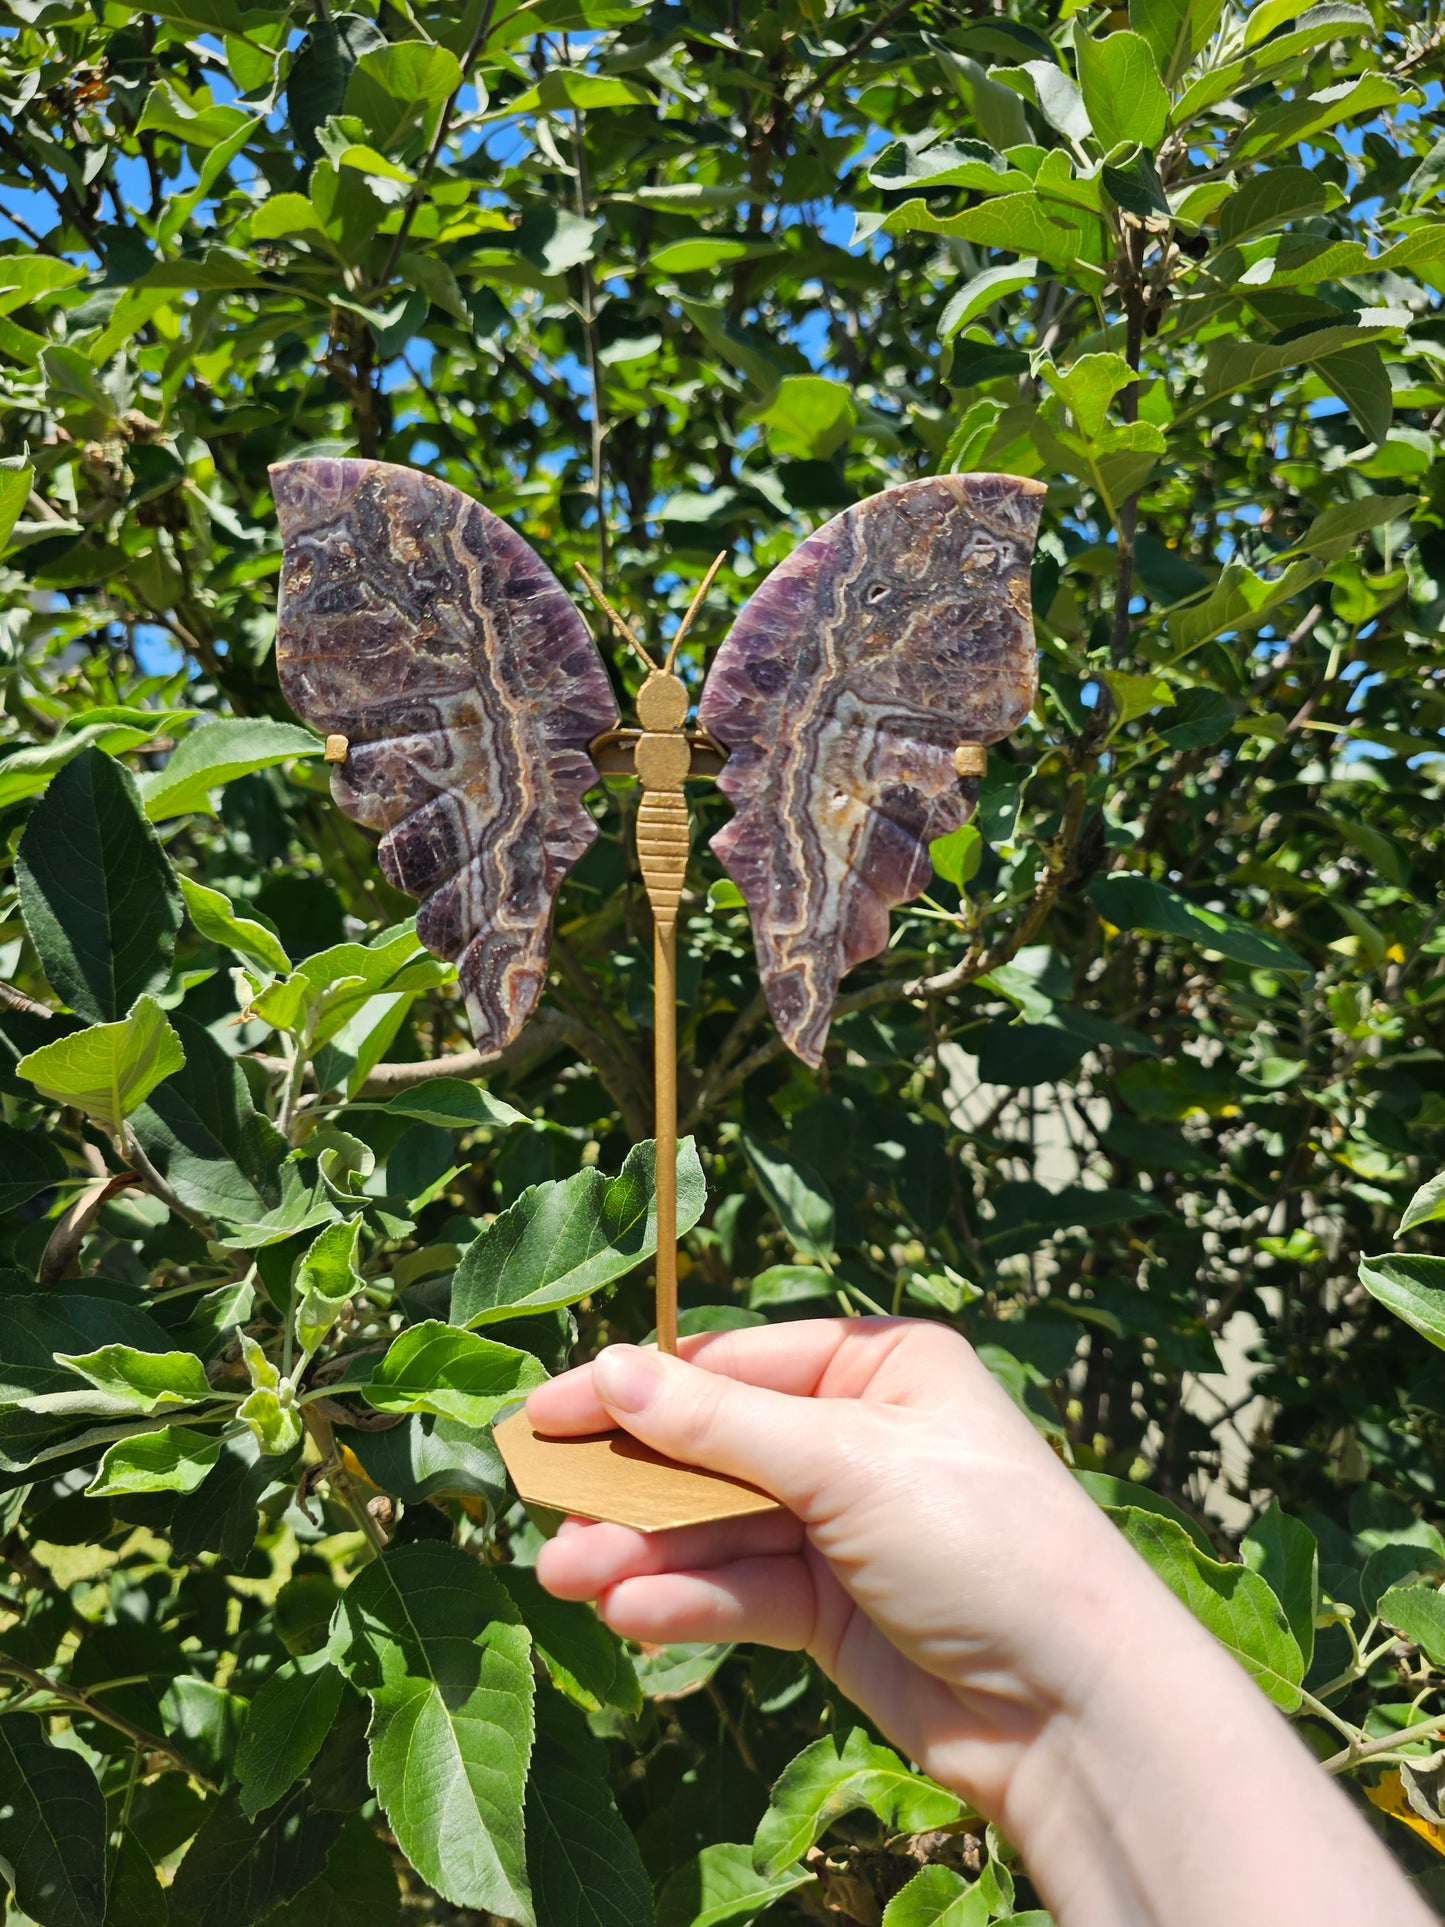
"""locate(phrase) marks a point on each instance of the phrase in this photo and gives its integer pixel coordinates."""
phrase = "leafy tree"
(1139, 1083)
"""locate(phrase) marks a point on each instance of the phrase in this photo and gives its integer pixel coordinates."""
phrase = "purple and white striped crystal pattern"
(422, 628)
(893, 634)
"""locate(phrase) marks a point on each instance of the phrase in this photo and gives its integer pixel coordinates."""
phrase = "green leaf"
(15, 486)
(452, 1374)
(720, 1884)
(582, 1860)
(565, 1240)
(352, 1053)
(1282, 1550)
(316, 87)
(393, 89)
(1427, 1205)
(956, 857)
(1111, 1492)
(220, 1515)
(107, 1070)
(1050, 89)
(29, 1164)
(947, 163)
(253, 938)
(1023, 223)
(1362, 381)
(566, 87)
(1238, 364)
(1135, 695)
(205, 1721)
(1330, 107)
(26, 277)
(972, 437)
(190, 117)
(585, 1661)
(808, 419)
(270, 1408)
(938, 1897)
(148, 1382)
(424, 1458)
(691, 257)
(999, 116)
(1271, 200)
(1233, 1603)
(979, 294)
(789, 1285)
(1334, 531)
(456, 1105)
(96, 891)
(356, 1888)
(1122, 89)
(1239, 601)
(52, 1827)
(330, 987)
(290, 1717)
(216, 754)
(200, 1129)
(1418, 1612)
(134, 1895)
(1088, 386)
(424, 1631)
(325, 1279)
(25, 772)
(829, 1779)
(174, 1458)
(1133, 902)
(237, 1872)
(1176, 30)
(1413, 1287)
(799, 1198)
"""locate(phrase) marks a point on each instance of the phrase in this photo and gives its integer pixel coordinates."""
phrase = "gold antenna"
(618, 622)
(692, 609)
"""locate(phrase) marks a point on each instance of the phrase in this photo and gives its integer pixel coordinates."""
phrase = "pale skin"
(940, 1564)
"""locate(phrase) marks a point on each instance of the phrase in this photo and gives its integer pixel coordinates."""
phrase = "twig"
(73, 1696)
(1353, 1754)
(550, 1030)
(156, 1184)
(729, 1073)
(424, 172)
(589, 340)
(849, 53)
(35, 240)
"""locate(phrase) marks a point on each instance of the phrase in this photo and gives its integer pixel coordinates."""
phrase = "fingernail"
(626, 1378)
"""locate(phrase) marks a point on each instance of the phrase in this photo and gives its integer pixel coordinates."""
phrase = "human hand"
(936, 1560)
(944, 1569)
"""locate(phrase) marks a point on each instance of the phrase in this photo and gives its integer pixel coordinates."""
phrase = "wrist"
(1169, 1792)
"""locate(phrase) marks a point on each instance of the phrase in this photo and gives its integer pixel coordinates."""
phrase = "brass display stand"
(612, 1475)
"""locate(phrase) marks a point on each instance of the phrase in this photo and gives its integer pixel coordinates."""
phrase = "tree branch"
(424, 172)
(83, 1702)
(550, 1030)
(1058, 870)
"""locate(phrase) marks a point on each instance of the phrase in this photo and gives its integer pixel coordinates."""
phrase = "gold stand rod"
(664, 1032)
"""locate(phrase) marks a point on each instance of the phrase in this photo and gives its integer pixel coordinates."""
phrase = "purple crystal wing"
(420, 627)
(894, 633)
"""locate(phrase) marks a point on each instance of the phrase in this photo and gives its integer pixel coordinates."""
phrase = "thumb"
(706, 1419)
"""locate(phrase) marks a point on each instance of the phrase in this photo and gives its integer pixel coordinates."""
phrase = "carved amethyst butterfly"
(848, 696)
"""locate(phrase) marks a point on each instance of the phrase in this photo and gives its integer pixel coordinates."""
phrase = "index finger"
(899, 1361)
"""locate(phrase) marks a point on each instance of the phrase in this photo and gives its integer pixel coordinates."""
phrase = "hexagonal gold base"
(611, 1476)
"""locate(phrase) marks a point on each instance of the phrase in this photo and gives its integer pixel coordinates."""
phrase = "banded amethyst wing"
(893, 634)
(416, 624)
